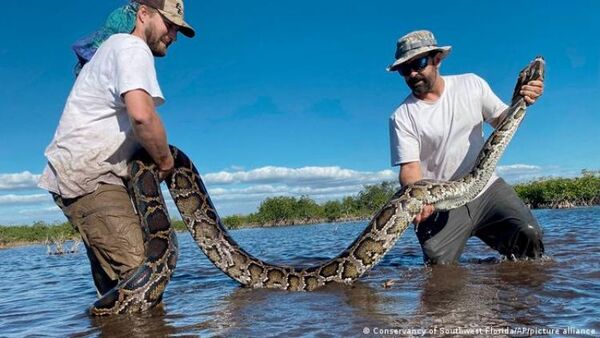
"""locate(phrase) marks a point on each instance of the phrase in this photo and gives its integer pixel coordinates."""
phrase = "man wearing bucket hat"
(110, 113)
(436, 133)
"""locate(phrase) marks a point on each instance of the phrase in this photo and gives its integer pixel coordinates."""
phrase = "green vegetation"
(562, 192)
(280, 210)
(38, 232)
(284, 210)
(178, 225)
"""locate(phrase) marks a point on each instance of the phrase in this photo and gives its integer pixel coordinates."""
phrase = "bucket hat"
(413, 44)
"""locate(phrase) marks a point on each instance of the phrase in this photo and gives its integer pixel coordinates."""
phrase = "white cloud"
(54, 210)
(16, 214)
(21, 180)
(519, 173)
(24, 199)
(256, 194)
(265, 190)
(331, 176)
(523, 167)
(242, 191)
(516, 173)
(239, 191)
(235, 167)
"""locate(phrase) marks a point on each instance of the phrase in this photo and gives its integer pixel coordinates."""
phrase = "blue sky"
(275, 98)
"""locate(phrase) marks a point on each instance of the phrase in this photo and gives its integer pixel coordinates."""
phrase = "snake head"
(535, 70)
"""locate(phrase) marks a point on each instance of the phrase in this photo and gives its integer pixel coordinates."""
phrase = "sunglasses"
(417, 65)
(168, 23)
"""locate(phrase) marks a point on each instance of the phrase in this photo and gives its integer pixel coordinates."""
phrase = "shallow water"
(49, 295)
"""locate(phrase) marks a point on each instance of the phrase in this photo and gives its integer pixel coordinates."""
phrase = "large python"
(144, 289)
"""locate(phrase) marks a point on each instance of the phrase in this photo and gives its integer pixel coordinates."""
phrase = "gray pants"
(498, 217)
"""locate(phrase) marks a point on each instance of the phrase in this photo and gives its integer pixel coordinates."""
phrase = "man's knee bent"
(526, 242)
(436, 254)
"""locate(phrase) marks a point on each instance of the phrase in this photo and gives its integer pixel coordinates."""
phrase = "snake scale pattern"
(144, 288)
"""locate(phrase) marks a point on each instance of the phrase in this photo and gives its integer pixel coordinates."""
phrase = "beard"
(420, 84)
(157, 46)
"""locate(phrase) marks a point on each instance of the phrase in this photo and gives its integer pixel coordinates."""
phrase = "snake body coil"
(144, 289)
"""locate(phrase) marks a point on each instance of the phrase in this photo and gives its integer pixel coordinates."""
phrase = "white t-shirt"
(94, 140)
(446, 135)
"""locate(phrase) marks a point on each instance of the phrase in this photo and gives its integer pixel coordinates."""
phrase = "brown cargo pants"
(110, 230)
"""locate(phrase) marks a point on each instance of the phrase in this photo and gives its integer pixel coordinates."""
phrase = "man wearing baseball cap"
(110, 114)
(437, 133)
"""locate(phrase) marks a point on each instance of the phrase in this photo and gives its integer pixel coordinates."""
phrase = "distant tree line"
(281, 210)
(562, 192)
(285, 210)
(38, 232)
(543, 193)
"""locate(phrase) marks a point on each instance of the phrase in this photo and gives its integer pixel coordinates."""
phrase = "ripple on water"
(49, 295)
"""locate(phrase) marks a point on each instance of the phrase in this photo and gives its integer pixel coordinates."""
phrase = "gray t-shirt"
(446, 135)
(94, 140)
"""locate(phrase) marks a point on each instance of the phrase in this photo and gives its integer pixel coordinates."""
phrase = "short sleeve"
(135, 70)
(492, 106)
(404, 140)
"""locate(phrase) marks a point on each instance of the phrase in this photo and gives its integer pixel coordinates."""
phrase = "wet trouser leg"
(498, 217)
(110, 230)
(506, 224)
(444, 234)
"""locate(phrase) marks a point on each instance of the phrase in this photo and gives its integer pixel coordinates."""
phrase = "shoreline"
(20, 243)
(300, 222)
(17, 244)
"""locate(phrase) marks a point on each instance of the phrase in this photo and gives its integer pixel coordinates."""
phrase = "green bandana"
(121, 20)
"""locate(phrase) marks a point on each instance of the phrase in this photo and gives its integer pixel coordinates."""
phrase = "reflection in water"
(374, 305)
(530, 274)
(445, 289)
(519, 287)
(49, 295)
(445, 292)
(490, 293)
(150, 324)
(247, 312)
(455, 296)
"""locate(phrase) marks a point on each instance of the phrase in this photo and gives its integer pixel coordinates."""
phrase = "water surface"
(43, 295)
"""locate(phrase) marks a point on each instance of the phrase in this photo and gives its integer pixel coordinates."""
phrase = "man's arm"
(410, 173)
(149, 130)
(530, 92)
